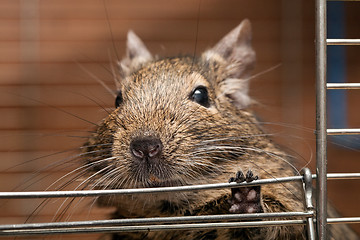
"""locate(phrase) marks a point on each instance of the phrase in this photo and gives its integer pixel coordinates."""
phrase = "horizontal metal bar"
(343, 0)
(343, 85)
(92, 193)
(343, 220)
(340, 176)
(344, 131)
(158, 220)
(337, 176)
(147, 228)
(100, 226)
(343, 41)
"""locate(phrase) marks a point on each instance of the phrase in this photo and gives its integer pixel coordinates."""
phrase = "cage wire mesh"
(219, 221)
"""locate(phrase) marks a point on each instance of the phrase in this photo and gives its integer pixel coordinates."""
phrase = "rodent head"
(177, 120)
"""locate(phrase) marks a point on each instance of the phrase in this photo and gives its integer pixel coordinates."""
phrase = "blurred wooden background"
(49, 51)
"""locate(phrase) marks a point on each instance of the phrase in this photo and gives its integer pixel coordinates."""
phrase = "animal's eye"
(118, 99)
(200, 95)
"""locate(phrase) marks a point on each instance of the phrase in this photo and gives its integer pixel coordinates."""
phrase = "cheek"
(213, 110)
(120, 148)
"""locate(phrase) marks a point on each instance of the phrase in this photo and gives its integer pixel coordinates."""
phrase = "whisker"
(93, 76)
(264, 72)
(76, 188)
(58, 109)
(84, 167)
(65, 163)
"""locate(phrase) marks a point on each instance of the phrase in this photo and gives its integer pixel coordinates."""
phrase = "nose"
(149, 148)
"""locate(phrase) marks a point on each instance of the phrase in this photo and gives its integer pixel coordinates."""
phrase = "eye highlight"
(118, 99)
(200, 95)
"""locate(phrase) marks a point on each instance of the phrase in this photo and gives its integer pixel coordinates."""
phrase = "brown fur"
(201, 144)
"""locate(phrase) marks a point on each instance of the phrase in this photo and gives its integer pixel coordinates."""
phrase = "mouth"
(146, 175)
(154, 182)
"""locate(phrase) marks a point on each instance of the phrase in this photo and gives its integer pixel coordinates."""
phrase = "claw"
(239, 177)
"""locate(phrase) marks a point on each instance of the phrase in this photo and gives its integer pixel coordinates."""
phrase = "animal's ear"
(234, 51)
(136, 55)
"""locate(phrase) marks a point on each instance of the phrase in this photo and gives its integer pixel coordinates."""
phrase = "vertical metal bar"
(321, 137)
(307, 183)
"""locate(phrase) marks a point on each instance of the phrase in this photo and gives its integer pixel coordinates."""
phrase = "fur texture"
(198, 109)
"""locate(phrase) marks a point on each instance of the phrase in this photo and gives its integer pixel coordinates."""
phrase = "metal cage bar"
(321, 134)
(343, 42)
(179, 223)
(321, 115)
(161, 223)
(343, 86)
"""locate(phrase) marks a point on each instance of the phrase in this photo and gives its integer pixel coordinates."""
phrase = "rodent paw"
(245, 199)
(250, 176)
(239, 177)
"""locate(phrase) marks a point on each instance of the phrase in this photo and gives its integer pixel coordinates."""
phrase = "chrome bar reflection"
(343, 85)
(351, 42)
(321, 135)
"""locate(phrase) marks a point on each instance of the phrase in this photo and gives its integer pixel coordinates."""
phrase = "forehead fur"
(226, 67)
(180, 73)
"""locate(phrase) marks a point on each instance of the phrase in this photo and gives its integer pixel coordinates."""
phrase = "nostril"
(137, 153)
(146, 148)
(155, 150)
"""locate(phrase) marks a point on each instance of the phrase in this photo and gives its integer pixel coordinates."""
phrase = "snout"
(146, 149)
